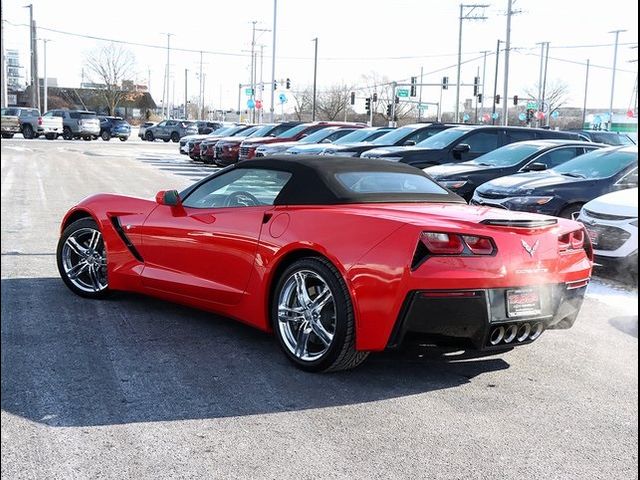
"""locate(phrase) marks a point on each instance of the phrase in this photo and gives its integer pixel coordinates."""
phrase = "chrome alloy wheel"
(84, 260)
(306, 315)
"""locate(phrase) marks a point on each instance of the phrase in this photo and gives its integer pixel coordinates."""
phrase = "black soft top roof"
(314, 182)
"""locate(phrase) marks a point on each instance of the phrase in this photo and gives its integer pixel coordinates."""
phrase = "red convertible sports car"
(337, 257)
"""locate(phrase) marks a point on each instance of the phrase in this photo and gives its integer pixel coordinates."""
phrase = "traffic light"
(476, 85)
(445, 83)
(367, 104)
(375, 97)
(497, 99)
(389, 110)
(275, 85)
(515, 99)
(414, 81)
(530, 114)
(479, 98)
(353, 98)
(397, 99)
(288, 84)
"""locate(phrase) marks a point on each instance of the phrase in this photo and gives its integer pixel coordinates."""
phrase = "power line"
(575, 62)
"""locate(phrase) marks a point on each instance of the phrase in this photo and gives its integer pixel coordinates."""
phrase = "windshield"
(246, 132)
(222, 131)
(394, 136)
(444, 138)
(317, 137)
(262, 131)
(507, 156)
(232, 131)
(292, 132)
(598, 164)
(359, 135)
(611, 138)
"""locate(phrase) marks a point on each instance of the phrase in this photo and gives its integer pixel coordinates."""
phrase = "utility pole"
(586, 89)
(186, 112)
(4, 101)
(167, 73)
(45, 101)
(261, 110)
(476, 99)
(420, 94)
(32, 56)
(484, 76)
(465, 16)
(200, 93)
(505, 104)
(315, 78)
(253, 46)
(392, 120)
(204, 79)
(273, 62)
(613, 76)
(544, 83)
(539, 98)
(495, 84)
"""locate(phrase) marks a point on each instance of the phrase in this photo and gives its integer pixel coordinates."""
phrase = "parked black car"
(604, 136)
(404, 136)
(461, 144)
(561, 191)
(114, 127)
(205, 128)
(535, 155)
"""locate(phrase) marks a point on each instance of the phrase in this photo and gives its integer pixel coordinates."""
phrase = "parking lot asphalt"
(132, 387)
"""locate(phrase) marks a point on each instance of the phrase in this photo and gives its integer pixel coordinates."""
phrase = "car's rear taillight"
(443, 243)
(576, 240)
(39, 120)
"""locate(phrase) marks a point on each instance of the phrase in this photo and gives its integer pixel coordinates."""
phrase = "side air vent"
(115, 221)
(520, 223)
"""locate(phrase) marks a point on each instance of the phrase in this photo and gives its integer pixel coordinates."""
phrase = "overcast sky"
(393, 39)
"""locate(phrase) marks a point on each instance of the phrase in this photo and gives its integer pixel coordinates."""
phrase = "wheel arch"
(74, 216)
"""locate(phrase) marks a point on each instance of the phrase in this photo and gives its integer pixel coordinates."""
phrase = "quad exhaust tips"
(518, 332)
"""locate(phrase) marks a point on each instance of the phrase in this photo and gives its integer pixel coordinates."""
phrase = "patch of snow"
(613, 294)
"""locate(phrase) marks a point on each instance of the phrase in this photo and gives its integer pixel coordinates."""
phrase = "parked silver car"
(172, 130)
(77, 123)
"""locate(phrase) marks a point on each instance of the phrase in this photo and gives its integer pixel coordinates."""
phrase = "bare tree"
(331, 103)
(556, 94)
(109, 65)
(303, 101)
(382, 87)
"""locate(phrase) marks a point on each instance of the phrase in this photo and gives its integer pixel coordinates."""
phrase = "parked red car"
(195, 150)
(337, 258)
(249, 146)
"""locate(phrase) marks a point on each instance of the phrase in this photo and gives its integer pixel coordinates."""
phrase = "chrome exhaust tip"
(496, 336)
(510, 333)
(523, 332)
(536, 331)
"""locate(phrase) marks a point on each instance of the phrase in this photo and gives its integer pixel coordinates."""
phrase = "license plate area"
(523, 302)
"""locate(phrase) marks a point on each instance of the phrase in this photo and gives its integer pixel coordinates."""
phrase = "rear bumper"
(475, 318)
(45, 129)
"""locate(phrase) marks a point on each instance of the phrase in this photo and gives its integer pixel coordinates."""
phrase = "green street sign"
(423, 106)
(248, 91)
(402, 92)
(532, 105)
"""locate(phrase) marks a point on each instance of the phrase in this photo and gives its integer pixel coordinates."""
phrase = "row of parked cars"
(68, 124)
(559, 173)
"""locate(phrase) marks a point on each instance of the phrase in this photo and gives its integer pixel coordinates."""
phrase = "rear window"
(12, 112)
(598, 164)
(611, 138)
(292, 132)
(78, 115)
(388, 182)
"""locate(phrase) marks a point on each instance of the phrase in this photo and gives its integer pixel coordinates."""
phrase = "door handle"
(204, 217)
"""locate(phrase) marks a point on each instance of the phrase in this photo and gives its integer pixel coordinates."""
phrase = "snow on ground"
(614, 294)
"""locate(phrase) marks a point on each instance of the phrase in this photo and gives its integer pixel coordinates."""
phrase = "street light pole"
(315, 78)
(544, 83)
(45, 103)
(464, 16)
(167, 81)
(273, 62)
(586, 89)
(4, 101)
(505, 104)
(200, 93)
(495, 84)
(613, 76)
(186, 112)
(484, 75)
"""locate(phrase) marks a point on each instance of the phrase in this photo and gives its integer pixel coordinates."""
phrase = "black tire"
(83, 223)
(27, 132)
(166, 140)
(106, 136)
(341, 353)
(149, 136)
(571, 211)
(123, 139)
(50, 136)
(87, 138)
(7, 135)
(175, 137)
(67, 134)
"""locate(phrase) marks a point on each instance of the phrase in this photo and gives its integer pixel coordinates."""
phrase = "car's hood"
(404, 149)
(281, 145)
(450, 169)
(227, 140)
(254, 142)
(528, 181)
(623, 203)
(309, 148)
(186, 138)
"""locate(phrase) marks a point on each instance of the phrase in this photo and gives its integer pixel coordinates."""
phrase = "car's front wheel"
(175, 137)
(106, 136)
(27, 132)
(149, 136)
(312, 317)
(82, 259)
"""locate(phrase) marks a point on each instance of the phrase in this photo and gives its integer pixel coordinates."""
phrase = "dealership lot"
(134, 387)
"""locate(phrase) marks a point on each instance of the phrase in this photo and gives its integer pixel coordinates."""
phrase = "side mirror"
(461, 148)
(409, 143)
(170, 198)
(535, 167)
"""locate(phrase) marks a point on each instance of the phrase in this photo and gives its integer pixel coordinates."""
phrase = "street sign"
(423, 106)
(251, 103)
(522, 116)
(282, 98)
(532, 105)
(555, 114)
(495, 115)
(258, 104)
(402, 92)
(465, 117)
(248, 91)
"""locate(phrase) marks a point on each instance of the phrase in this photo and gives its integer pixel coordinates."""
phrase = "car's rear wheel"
(123, 139)
(149, 136)
(175, 137)
(27, 132)
(312, 317)
(50, 136)
(572, 211)
(66, 133)
(7, 135)
(82, 259)
(106, 136)
(166, 140)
